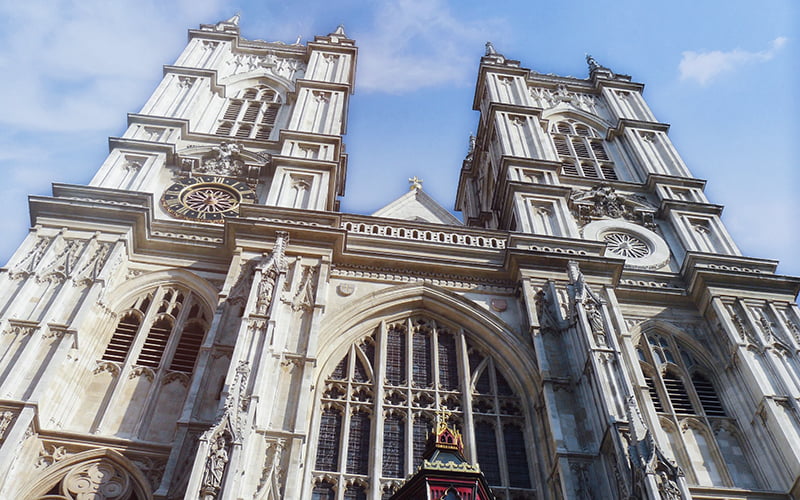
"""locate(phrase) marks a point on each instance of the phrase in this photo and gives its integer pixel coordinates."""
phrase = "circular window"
(640, 247)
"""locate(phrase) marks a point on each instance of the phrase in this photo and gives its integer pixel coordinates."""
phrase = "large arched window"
(703, 437)
(379, 404)
(142, 376)
(169, 323)
(251, 114)
(582, 150)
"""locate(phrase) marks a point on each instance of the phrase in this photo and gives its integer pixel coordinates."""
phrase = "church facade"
(202, 322)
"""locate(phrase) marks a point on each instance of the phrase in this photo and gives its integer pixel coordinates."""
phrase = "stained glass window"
(419, 351)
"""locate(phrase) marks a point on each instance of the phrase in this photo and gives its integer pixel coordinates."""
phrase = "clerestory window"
(582, 151)
(379, 404)
(251, 114)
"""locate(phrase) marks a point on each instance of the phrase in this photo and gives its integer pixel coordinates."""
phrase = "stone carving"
(228, 159)
(548, 98)
(63, 264)
(583, 296)
(284, 67)
(580, 471)
(604, 202)
(27, 265)
(50, 454)
(138, 371)
(107, 366)
(21, 327)
(90, 270)
(98, 480)
(230, 25)
(239, 290)
(648, 459)
(215, 467)
(270, 268)
(306, 290)
(152, 469)
(6, 418)
(272, 475)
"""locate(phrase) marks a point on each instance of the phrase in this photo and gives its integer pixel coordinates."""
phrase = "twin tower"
(202, 322)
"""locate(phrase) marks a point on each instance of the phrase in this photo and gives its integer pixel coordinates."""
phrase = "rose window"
(210, 199)
(626, 245)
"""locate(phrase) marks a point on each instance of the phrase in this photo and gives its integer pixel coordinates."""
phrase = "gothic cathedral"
(202, 322)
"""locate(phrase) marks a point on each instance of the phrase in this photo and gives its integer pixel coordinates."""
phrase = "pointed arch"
(132, 288)
(425, 344)
(353, 322)
(555, 114)
(115, 465)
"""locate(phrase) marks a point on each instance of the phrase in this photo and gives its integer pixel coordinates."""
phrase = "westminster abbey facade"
(201, 321)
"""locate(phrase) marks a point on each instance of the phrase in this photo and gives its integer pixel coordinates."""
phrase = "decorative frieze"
(438, 279)
(447, 237)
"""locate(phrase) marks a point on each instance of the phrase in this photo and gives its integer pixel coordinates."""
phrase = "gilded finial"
(416, 183)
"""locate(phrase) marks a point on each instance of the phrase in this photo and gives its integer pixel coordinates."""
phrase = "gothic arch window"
(163, 328)
(702, 436)
(582, 150)
(146, 367)
(251, 114)
(383, 395)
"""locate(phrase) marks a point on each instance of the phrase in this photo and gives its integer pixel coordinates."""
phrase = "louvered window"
(651, 389)
(708, 396)
(170, 337)
(695, 408)
(582, 151)
(250, 115)
(120, 344)
(423, 371)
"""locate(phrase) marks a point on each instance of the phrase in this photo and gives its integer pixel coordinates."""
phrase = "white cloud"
(703, 67)
(71, 65)
(414, 44)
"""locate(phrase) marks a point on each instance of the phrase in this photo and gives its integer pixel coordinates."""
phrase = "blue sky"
(723, 73)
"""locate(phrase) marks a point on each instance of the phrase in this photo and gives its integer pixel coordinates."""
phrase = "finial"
(441, 419)
(416, 183)
(340, 31)
(472, 141)
(592, 62)
(297, 42)
(234, 19)
(490, 49)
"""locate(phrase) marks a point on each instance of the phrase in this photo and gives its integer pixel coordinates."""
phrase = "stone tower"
(202, 322)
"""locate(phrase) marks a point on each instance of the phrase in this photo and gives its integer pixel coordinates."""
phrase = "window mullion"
(499, 433)
(409, 423)
(466, 395)
(177, 329)
(377, 427)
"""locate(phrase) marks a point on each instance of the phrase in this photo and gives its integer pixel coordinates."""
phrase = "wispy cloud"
(60, 72)
(703, 67)
(414, 44)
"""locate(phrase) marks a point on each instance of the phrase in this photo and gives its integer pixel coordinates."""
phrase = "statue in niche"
(270, 267)
(667, 487)
(215, 467)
